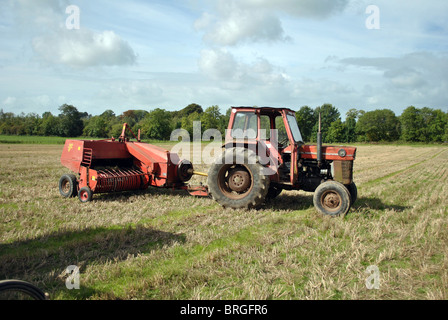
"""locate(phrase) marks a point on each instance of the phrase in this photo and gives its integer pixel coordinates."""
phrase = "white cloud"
(38, 15)
(83, 48)
(54, 44)
(136, 92)
(419, 78)
(29, 104)
(9, 101)
(258, 20)
(299, 8)
(221, 65)
(412, 70)
(237, 24)
(205, 21)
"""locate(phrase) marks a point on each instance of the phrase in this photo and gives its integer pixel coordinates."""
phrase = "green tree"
(306, 121)
(191, 108)
(70, 121)
(49, 125)
(157, 125)
(351, 118)
(97, 127)
(132, 117)
(411, 121)
(433, 125)
(188, 122)
(32, 122)
(425, 124)
(329, 114)
(445, 136)
(337, 132)
(108, 115)
(378, 125)
(116, 130)
(213, 119)
(7, 125)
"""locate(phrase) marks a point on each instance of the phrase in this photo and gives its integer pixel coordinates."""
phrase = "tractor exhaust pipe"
(319, 143)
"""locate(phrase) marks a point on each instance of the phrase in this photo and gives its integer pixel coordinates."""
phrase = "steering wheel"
(284, 142)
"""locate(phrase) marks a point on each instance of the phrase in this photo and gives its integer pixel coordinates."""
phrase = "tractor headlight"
(342, 153)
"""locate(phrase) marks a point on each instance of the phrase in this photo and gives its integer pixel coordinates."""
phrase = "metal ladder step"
(87, 157)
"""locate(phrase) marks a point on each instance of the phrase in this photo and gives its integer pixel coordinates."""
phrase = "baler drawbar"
(106, 166)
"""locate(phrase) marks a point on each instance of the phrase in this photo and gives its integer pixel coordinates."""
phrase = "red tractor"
(265, 154)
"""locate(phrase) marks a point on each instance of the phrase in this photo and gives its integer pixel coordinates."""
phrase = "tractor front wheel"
(332, 198)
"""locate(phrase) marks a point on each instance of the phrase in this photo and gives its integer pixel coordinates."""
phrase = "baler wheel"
(68, 186)
(85, 194)
(332, 198)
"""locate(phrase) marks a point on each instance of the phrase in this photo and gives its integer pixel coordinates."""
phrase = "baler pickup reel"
(106, 166)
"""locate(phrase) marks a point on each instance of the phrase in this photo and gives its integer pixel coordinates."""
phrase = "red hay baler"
(106, 166)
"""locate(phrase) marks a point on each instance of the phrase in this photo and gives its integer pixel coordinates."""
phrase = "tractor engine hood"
(331, 153)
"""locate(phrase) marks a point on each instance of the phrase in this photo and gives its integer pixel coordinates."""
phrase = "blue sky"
(147, 54)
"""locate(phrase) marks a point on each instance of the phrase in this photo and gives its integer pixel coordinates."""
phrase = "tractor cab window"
(282, 137)
(294, 128)
(245, 126)
(265, 126)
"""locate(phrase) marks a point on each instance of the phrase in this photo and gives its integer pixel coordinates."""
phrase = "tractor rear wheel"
(332, 198)
(236, 180)
(68, 186)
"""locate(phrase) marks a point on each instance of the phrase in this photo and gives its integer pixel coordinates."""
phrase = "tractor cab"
(272, 133)
(270, 125)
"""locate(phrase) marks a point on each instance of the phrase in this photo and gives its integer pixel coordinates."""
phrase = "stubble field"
(165, 245)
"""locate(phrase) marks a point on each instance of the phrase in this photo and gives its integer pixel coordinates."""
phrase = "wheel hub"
(332, 200)
(239, 180)
(66, 186)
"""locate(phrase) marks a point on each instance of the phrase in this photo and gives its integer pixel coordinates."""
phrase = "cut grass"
(160, 244)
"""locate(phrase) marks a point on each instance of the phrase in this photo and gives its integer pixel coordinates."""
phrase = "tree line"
(413, 125)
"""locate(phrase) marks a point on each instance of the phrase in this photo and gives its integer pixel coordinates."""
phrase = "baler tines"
(106, 166)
